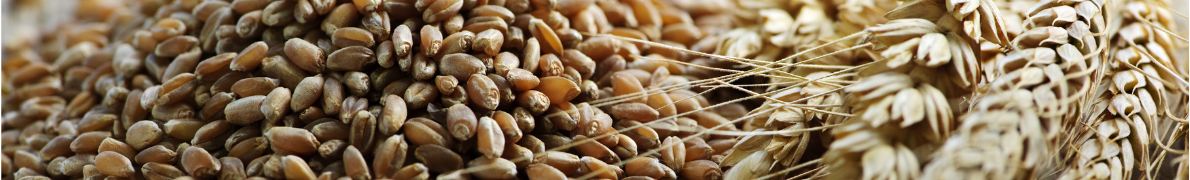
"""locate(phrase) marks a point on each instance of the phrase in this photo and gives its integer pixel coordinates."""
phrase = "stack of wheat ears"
(594, 89)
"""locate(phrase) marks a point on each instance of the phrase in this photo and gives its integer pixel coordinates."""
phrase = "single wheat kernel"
(114, 164)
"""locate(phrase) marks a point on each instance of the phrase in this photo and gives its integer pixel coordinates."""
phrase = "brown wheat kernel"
(423, 68)
(182, 129)
(157, 154)
(245, 110)
(431, 40)
(565, 162)
(646, 166)
(353, 163)
(673, 152)
(402, 40)
(441, 10)
(461, 65)
(454, 24)
(328, 129)
(307, 93)
(351, 107)
(296, 168)
(544, 171)
(296, 140)
(210, 131)
(504, 62)
(332, 149)
(534, 101)
(438, 159)
(389, 156)
(483, 91)
(446, 84)
(415, 171)
(522, 80)
(393, 116)
(461, 122)
(491, 10)
(250, 57)
(625, 147)
(305, 55)
(143, 134)
(212, 109)
(278, 13)
(250, 24)
(420, 94)
(231, 168)
(89, 141)
(159, 171)
(384, 54)
(498, 168)
(114, 145)
(458, 42)
(357, 82)
(489, 41)
(30, 161)
(508, 124)
(184, 63)
(491, 138)
(57, 147)
(352, 36)
(551, 65)
(422, 131)
(332, 95)
(559, 90)
(353, 58)
(275, 104)
(363, 130)
(173, 46)
(114, 164)
(592, 165)
(595, 150)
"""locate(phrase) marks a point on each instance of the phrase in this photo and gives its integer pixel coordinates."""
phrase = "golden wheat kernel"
(483, 91)
(446, 84)
(559, 90)
(441, 10)
(422, 131)
(182, 129)
(344, 15)
(393, 115)
(489, 41)
(562, 161)
(363, 130)
(114, 164)
(352, 36)
(57, 147)
(143, 134)
(458, 42)
(306, 93)
(332, 95)
(89, 141)
(544, 171)
(115, 145)
(599, 168)
(389, 156)
(438, 159)
(353, 163)
(296, 168)
(500, 168)
(157, 154)
(297, 140)
(305, 55)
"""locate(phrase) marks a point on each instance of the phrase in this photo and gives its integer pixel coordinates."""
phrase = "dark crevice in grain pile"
(367, 89)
